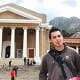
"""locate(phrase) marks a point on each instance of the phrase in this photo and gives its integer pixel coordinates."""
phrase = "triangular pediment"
(11, 15)
(13, 11)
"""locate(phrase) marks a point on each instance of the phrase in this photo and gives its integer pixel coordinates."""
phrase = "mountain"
(67, 25)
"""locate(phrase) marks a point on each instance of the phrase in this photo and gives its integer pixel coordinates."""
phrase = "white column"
(77, 49)
(37, 58)
(25, 43)
(1, 30)
(12, 43)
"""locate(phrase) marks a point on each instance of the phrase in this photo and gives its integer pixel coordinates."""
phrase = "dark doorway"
(31, 53)
(7, 54)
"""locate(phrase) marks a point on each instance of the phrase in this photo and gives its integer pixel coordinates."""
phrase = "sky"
(52, 8)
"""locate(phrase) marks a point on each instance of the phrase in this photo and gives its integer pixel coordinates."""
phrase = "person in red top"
(13, 74)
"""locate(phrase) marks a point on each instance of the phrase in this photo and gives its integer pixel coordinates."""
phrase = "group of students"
(13, 72)
(28, 61)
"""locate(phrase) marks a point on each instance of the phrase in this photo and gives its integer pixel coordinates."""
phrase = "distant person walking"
(16, 69)
(13, 74)
(10, 64)
(24, 61)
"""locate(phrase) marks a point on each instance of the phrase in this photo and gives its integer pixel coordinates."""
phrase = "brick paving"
(28, 73)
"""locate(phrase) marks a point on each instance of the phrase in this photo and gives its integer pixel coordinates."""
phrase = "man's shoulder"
(46, 55)
(71, 48)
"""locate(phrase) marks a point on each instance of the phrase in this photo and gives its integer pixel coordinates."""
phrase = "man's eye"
(54, 36)
(59, 36)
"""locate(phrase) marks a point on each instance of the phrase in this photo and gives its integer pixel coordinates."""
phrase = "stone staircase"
(15, 61)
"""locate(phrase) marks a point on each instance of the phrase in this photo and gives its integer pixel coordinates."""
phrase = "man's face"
(57, 39)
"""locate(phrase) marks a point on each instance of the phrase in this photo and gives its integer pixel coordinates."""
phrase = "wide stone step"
(16, 61)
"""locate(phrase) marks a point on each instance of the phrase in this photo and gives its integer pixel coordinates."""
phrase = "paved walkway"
(28, 73)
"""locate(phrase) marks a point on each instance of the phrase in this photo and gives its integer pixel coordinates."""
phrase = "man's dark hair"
(53, 29)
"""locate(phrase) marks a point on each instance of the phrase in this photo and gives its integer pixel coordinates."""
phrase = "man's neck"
(60, 48)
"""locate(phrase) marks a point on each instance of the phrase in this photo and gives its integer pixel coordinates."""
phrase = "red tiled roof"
(72, 40)
(76, 35)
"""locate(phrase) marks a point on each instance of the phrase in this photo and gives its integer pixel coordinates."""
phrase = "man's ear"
(50, 40)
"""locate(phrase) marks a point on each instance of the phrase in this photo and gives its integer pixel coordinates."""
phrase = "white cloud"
(63, 7)
(71, 3)
(52, 8)
(31, 4)
(4, 2)
(9, 1)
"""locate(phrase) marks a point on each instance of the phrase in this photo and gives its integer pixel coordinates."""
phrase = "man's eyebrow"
(57, 35)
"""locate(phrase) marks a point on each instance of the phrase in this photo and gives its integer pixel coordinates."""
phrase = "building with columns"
(23, 33)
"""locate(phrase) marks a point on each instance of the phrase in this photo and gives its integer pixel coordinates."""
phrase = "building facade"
(73, 42)
(23, 33)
